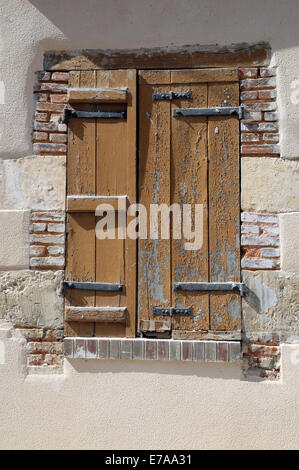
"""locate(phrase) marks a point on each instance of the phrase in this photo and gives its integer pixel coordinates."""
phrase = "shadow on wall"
(206, 370)
(135, 23)
(98, 24)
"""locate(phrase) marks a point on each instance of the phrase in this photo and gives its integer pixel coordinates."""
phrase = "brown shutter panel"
(101, 163)
(194, 160)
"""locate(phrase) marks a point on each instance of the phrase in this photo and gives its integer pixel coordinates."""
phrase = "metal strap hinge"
(219, 111)
(103, 114)
(98, 286)
(238, 287)
(172, 95)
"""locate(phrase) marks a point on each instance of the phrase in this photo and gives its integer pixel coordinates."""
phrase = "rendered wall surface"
(150, 400)
(145, 405)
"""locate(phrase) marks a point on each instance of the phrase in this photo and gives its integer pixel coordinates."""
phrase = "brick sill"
(152, 349)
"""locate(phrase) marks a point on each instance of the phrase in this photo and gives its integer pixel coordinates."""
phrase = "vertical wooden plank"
(110, 267)
(189, 171)
(110, 180)
(111, 158)
(154, 264)
(81, 157)
(131, 245)
(224, 206)
(80, 256)
(81, 149)
(116, 156)
(80, 266)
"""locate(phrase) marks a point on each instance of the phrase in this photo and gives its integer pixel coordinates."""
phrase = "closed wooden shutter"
(190, 160)
(101, 167)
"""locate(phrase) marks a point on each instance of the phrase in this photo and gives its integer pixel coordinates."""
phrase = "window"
(150, 285)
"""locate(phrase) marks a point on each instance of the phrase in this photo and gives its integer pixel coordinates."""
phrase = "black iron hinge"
(172, 95)
(238, 287)
(103, 114)
(170, 311)
(219, 111)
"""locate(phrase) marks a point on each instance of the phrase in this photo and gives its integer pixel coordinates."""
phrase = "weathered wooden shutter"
(101, 167)
(189, 159)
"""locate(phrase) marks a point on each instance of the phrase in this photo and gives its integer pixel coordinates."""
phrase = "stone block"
(289, 226)
(14, 239)
(33, 183)
(32, 298)
(269, 184)
(271, 305)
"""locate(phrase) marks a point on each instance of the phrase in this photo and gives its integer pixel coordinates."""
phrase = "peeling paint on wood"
(224, 207)
(174, 168)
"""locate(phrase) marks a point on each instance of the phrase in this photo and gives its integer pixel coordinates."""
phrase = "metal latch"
(103, 114)
(98, 286)
(238, 287)
(219, 111)
(172, 95)
(169, 311)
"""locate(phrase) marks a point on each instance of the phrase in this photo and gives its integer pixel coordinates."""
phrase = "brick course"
(257, 95)
(152, 349)
(47, 240)
(51, 98)
(261, 359)
(259, 241)
(44, 347)
(259, 129)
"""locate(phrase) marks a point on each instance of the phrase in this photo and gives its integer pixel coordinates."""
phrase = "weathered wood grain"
(80, 249)
(205, 75)
(189, 56)
(89, 204)
(101, 157)
(116, 154)
(189, 175)
(154, 263)
(97, 95)
(80, 266)
(158, 326)
(224, 206)
(213, 335)
(96, 314)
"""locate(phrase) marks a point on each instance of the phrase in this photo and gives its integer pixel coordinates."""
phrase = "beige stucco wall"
(125, 404)
(146, 405)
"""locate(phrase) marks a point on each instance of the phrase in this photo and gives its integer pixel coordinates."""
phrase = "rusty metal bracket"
(98, 286)
(169, 311)
(172, 95)
(238, 287)
(219, 111)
